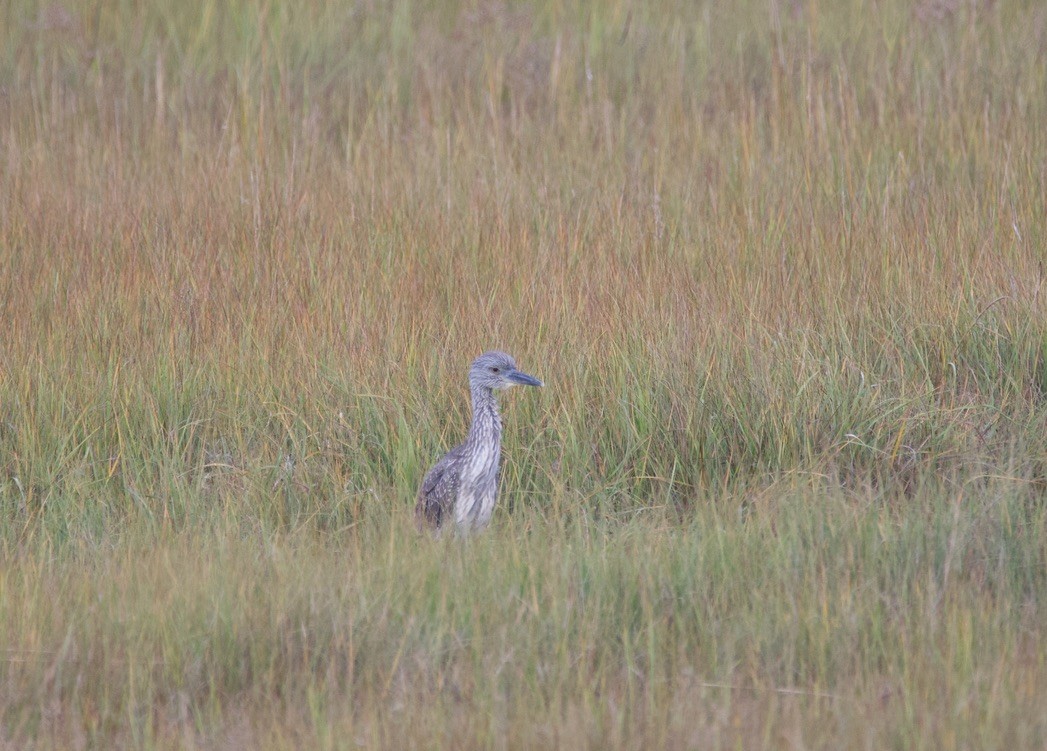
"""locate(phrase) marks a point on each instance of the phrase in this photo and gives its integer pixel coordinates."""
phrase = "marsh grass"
(780, 265)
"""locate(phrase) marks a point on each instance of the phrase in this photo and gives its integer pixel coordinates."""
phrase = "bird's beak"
(522, 379)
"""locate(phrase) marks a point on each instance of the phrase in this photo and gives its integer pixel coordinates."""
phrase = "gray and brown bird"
(462, 488)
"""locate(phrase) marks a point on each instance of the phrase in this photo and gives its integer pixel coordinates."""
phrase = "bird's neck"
(486, 419)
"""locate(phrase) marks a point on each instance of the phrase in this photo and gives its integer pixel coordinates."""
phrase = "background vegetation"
(779, 263)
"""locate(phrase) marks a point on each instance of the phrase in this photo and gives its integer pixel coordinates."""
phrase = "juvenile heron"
(463, 486)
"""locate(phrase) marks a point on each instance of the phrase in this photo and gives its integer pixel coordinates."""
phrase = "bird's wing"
(439, 490)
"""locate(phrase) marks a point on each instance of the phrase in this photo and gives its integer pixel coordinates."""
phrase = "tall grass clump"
(779, 263)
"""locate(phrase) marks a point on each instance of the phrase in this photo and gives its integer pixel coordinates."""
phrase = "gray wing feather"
(439, 490)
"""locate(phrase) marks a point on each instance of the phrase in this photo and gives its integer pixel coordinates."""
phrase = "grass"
(779, 264)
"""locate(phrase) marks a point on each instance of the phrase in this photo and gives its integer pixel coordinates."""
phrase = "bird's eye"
(494, 370)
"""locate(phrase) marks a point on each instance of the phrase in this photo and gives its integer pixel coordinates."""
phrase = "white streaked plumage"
(463, 484)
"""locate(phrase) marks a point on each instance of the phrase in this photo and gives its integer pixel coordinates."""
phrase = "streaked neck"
(485, 411)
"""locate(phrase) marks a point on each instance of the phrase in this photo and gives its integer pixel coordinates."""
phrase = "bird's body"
(462, 487)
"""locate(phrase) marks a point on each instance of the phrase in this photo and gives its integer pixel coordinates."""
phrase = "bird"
(462, 487)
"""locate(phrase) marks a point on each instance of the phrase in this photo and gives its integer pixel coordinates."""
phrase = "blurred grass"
(779, 263)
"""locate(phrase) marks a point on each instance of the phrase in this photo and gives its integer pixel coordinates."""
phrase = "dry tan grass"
(779, 263)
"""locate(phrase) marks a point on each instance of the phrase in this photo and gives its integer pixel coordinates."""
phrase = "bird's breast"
(479, 487)
(482, 468)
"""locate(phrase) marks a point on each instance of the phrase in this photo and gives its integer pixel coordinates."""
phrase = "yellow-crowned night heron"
(463, 486)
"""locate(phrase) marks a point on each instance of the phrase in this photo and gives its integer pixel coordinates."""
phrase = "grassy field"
(778, 263)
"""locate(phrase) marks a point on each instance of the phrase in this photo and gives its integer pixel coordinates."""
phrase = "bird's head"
(497, 370)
